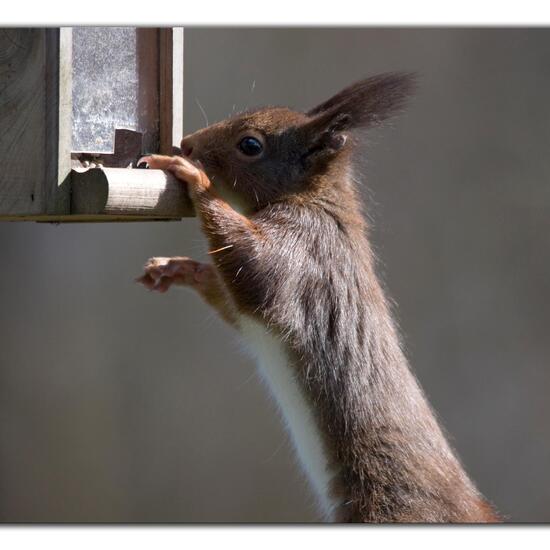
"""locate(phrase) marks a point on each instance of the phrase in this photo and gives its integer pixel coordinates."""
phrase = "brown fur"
(298, 259)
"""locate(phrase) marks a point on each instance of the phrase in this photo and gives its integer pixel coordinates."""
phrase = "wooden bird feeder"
(78, 107)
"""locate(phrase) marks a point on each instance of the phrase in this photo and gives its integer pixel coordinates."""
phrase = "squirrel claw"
(144, 160)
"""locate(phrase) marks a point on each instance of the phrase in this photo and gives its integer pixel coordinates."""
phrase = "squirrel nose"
(186, 147)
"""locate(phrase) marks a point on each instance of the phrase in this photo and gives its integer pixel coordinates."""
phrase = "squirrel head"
(271, 153)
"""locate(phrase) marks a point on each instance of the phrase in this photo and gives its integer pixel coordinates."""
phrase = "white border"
(300, 537)
(279, 12)
(270, 13)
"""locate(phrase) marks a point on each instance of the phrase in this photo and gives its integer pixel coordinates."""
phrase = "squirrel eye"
(250, 146)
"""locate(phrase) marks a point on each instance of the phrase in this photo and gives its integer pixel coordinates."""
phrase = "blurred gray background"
(118, 405)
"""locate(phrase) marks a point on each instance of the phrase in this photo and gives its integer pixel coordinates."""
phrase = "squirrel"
(293, 271)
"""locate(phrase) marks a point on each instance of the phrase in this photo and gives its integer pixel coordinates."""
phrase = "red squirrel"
(293, 271)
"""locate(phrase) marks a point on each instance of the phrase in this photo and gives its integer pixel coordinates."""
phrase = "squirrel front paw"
(161, 273)
(182, 168)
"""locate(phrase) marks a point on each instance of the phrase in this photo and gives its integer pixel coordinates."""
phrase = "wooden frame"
(37, 182)
(171, 89)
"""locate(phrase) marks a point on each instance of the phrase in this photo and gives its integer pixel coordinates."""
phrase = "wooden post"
(59, 105)
(33, 83)
(171, 89)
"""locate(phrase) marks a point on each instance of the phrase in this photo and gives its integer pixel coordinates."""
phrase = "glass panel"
(115, 85)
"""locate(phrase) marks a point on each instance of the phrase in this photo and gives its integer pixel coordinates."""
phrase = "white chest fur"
(274, 365)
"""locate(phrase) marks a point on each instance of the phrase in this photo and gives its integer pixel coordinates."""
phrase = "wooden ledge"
(98, 194)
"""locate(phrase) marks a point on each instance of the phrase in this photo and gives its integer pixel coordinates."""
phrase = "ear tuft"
(368, 101)
(362, 104)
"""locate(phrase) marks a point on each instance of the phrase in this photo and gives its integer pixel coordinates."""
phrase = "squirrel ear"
(324, 138)
(362, 104)
(368, 101)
